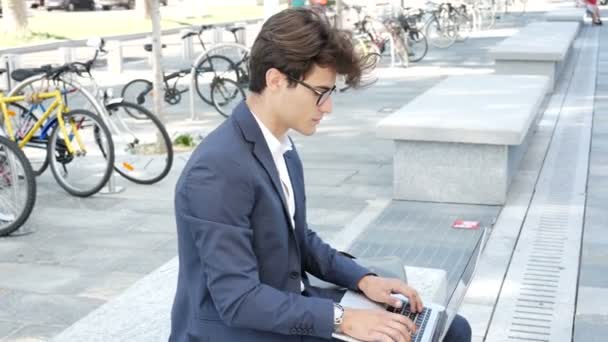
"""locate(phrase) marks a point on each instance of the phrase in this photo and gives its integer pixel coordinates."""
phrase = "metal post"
(115, 56)
(241, 35)
(9, 62)
(66, 54)
(111, 187)
(218, 35)
(186, 45)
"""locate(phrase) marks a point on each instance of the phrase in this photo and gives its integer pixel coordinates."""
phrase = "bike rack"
(111, 187)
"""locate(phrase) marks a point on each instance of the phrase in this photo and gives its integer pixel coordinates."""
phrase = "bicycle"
(417, 44)
(366, 34)
(143, 148)
(441, 28)
(74, 135)
(208, 73)
(17, 187)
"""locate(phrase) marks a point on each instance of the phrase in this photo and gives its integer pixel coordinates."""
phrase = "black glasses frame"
(322, 95)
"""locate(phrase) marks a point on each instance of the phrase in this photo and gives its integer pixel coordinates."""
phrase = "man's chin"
(308, 131)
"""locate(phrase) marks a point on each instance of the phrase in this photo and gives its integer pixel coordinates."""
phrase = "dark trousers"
(459, 331)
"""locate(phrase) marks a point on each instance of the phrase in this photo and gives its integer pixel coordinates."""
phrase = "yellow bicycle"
(76, 144)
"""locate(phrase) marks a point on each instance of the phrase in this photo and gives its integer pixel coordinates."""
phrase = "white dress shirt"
(277, 149)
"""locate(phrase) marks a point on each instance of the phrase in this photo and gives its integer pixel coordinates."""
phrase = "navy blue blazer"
(240, 260)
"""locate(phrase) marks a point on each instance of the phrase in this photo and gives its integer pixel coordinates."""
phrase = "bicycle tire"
(433, 26)
(207, 65)
(417, 38)
(219, 92)
(127, 170)
(29, 178)
(465, 25)
(107, 154)
(138, 91)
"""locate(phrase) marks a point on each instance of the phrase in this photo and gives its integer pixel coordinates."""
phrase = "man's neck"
(266, 115)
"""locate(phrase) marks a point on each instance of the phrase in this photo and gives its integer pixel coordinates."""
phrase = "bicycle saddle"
(189, 34)
(22, 74)
(206, 27)
(148, 47)
(235, 29)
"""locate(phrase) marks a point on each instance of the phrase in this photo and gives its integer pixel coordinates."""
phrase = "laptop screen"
(464, 282)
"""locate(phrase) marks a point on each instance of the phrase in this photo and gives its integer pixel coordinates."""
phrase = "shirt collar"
(277, 147)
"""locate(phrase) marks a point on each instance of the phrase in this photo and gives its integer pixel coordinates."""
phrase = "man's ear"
(274, 79)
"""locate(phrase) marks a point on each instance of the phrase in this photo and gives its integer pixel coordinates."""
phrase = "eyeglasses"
(323, 96)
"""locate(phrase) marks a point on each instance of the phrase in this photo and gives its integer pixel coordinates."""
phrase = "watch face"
(338, 314)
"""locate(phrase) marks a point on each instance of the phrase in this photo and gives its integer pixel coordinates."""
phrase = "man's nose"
(327, 106)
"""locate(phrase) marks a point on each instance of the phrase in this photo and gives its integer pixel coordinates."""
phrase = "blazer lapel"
(252, 133)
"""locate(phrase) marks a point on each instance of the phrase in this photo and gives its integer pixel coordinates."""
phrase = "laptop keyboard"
(420, 319)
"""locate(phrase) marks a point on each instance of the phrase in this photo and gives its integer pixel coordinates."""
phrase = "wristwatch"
(338, 315)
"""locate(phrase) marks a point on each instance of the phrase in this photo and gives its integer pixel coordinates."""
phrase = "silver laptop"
(434, 321)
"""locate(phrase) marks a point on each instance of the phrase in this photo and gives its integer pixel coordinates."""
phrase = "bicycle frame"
(57, 104)
(91, 99)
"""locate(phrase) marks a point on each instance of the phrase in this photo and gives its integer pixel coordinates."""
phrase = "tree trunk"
(14, 14)
(158, 93)
(144, 8)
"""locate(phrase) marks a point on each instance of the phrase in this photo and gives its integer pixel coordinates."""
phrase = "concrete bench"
(143, 312)
(573, 14)
(462, 140)
(539, 48)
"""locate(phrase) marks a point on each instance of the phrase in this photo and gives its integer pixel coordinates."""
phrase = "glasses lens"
(325, 96)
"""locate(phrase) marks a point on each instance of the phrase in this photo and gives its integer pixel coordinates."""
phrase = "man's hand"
(376, 325)
(380, 289)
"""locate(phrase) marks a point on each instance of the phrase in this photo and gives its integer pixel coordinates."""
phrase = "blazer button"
(293, 275)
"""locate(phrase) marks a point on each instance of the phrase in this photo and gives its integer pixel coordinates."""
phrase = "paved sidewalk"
(76, 254)
(591, 320)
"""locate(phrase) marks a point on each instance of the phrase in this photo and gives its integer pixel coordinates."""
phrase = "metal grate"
(537, 300)
(420, 234)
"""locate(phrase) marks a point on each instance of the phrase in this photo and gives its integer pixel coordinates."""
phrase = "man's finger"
(403, 330)
(414, 299)
(403, 320)
(380, 337)
(394, 334)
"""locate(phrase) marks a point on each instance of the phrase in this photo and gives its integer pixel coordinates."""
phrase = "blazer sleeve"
(325, 263)
(218, 198)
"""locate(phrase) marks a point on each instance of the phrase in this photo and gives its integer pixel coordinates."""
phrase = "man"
(244, 246)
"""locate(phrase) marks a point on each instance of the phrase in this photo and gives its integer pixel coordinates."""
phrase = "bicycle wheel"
(464, 22)
(17, 187)
(85, 171)
(143, 149)
(226, 95)
(487, 18)
(35, 149)
(440, 35)
(210, 69)
(139, 92)
(518, 7)
(417, 45)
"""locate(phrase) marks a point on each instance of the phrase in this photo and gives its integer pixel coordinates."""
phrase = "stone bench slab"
(462, 140)
(480, 109)
(143, 312)
(540, 41)
(540, 48)
(566, 14)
